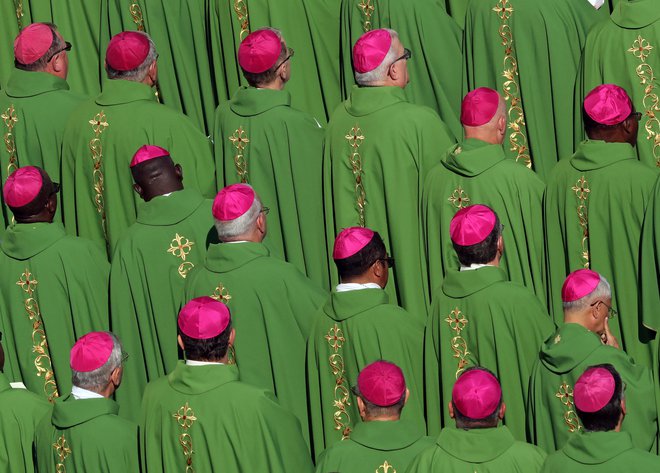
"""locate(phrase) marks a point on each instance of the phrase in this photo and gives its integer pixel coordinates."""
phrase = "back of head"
(581, 288)
(130, 56)
(154, 172)
(205, 329)
(36, 45)
(236, 210)
(382, 388)
(475, 233)
(608, 115)
(261, 55)
(355, 250)
(94, 358)
(598, 396)
(373, 54)
(477, 399)
(31, 195)
(483, 115)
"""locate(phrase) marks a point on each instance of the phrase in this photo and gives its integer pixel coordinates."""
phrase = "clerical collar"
(202, 363)
(474, 266)
(352, 286)
(237, 241)
(80, 393)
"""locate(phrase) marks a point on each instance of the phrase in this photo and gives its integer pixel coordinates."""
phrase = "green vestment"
(352, 330)
(594, 209)
(10, 23)
(204, 418)
(475, 172)
(21, 413)
(261, 140)
(478, 318)
(148, 273)
(551, 417)
(493, 450)
(99, 141)
(374, 446)
(87, 435)
(378, 151)
(53, 290)
(273, 306)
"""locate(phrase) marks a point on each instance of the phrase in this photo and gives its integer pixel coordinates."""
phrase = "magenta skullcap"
(32, 43)
(476, 394)
(91, 351)
(578, 284)
(370, 50)
(233, 201)
(608, 104)
(479, 106)
(203, 318)
(472, 225)
(350, 241)
(259, 51)
(594, 389)
(147, 152)
(22, 186)
(127, 50)
(381, 383)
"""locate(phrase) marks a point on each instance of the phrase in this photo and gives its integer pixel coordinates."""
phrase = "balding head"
(494, 130)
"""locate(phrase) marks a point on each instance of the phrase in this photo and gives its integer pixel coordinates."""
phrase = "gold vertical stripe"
(355, 139)
(581, 189)
(565, 395)
(10, 119)
(136, 13)
(368, 8)
(99, 124)
(341, 401)
(62, 450)
(457, 323)
(18, 5)
(185, 417)
(240, 141)
(180, 247)
(241, 10)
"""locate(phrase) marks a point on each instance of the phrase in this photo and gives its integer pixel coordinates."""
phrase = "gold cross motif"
(221, 293)
(185, 416)
(355, 137)
(386, 468)
(368, 9)
(456, 321)
(62, 450)
(459, 198)
(27, 282)
(99, 123)
(239, 139)
(180, 246)
(641, 48)
(335, 338)
(581, 188)
(503, 9)
(9, 117)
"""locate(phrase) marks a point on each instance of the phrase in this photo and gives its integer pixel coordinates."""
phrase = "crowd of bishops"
(332, 236)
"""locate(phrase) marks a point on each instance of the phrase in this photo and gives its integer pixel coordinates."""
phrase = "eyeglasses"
(611, 311)
(124, 357)
(407, 54)
(290, 53)
(389, 261)
(265, 210)
(67, 47)
(636, 115)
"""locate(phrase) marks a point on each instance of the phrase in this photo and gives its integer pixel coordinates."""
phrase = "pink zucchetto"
(91, 351)
(608, 104)
(127, 50)
(259, 51)
(232, 202)
(32, 43)
(22, 186)
(476, 394)
(594, 390)
(479, 106)
(147, 152)
(578, 284)
(350, 241)
(381, 383)
(370, 50)
(203, 318)
(472, 225)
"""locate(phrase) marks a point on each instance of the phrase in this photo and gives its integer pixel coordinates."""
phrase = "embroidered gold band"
(457, 323)
(355, 139)
(240, 141)
(581, 189)
(341, 395)
(185, 417)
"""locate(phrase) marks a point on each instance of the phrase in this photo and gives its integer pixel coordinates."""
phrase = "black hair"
(591, 126)
(483, 252)
(210, 349)
(36, 205)
(361, 261)
(608, 417)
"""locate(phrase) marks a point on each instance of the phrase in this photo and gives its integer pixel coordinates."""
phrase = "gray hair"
(380, 73)
(229, 230)
(139, 73)
(602, 291)
(40, 64)
(98, 379)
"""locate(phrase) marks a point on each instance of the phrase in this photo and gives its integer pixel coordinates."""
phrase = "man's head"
(476, 233)
(131, 55)
(599, 399)
(265, 59)
(476, 400)
(205, 332)
(31, 195)
(587, 300)
(96, 363)
(361, 257)
(155, 173)
(381, 391)
(609, 115)
(379, 59)
(239, 215)
(483, 115)
(39, 47)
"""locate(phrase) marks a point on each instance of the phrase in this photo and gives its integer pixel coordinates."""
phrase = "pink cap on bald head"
(350, 241)
(479, 106)
(259, 51)
(91, 351)
(147, 152)
(594, 389)
(22, 186)
(370, 50)
(608, 104)
(471, 225)
(32, 43)
(203, 318)
(233, 201)
(381, 383)
(127, 50)
(477, 394)
(578, 284)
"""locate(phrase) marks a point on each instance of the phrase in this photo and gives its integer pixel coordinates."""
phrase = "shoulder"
(517, 172)
(81, 247)
(24, 401)
(527, 450)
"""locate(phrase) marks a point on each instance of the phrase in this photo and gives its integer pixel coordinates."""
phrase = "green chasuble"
(475, 172)
(21, 413)
(87, 435)
(53, 290)
(261, 140)
(551, 417)
(203, 418)
(99, 141)
(529, 50)
(149, 269)
(375, 446)
(12, 20)
(479, 318)
(35, 107)
(602, 452)
(378, 150)
(594, 209)
(273, 306)
(435, 78)
(625, 50)
(354, 329)
(493, 450)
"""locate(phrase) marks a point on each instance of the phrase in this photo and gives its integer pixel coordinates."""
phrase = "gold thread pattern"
(510, 87)
(386, 468)
(581, 189)
(565, 395)
(459, 198)
(241, 10)
(368, 9)
(341, 417)
(221, 293)
(240, 141)
(10, 118)
(180, 247)
(355, 139)
(136, 13)
(18, 4)
(457, 323)
(99, 124)
(185, 417)
(62, 450)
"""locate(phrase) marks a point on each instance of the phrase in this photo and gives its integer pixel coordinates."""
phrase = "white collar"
(353, 286)
(474, 266)
(238, 241)
(80, 393)
(202, 363)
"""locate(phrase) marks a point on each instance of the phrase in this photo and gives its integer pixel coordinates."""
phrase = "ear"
(501, 125)
(51, 204)
(405, 401)
(361, 407)
(232, 337)
(116, 375)
(261, 222)
(152, 73)
(379, 268)
(178, 171)
(502, 411)
(180, 342)
(450, 405)
(394, 71)
(137, 188)
(500, 244)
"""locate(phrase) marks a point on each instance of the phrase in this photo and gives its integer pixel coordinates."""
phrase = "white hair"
(602, 291)
(98, 379)
(229, 230)
(380, 73)
(139, 73)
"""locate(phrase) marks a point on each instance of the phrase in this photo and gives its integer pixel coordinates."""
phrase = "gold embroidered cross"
(9, 117)
(180, 246)
(221, 293)
(456, 321)
(641, 48)
(581, 188)
(185, 416)
(565, 394)
(27, 282)
(355, 137)
(367, 9)
(62, 449)
(386, 468)
(99, 123)
(239, 139)
(459, 198)
(335, 338)
(503, 9)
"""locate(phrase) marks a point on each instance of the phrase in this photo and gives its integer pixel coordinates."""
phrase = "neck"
(368, 418)
(361, 279)
(277, 84)
(166, 189)
(36, 219)
(485, 135)
(577, 317)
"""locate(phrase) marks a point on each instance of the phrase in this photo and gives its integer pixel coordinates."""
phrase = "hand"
(607, 337)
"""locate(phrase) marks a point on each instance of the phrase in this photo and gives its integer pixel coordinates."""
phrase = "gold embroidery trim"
(565, 395)
(99, 124)
(386, 468)
(457, 323)
(241, 10)
(459, 198)
(221, 293)
(62, 450)
(10, 119)
(42, 361)
(641, 49)
(581, 189)
(368, 9)
(185, 417)
(180, 247)
(341, 417)
(136, 13)
(355, 139)
(240, 141)
(18, 5)
(510, 87)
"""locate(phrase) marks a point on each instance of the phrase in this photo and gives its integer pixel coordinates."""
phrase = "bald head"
(156, 177)
(494, 130)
